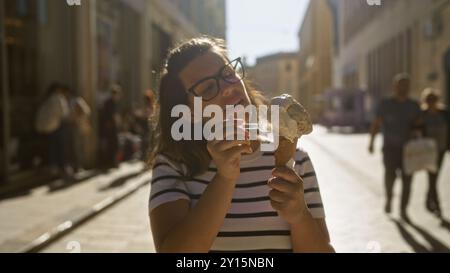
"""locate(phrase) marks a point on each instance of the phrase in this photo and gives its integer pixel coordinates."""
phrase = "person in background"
(436, 122)
(53, 120)
(128, 137)
(80, 127)
(69, 131)
(398, 117)
(143, 118)
(109, 128)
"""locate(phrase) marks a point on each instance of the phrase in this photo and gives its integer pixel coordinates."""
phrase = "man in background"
(397, 117)
(109, 129)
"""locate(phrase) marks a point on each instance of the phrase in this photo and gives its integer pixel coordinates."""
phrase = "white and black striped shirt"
(251, 224)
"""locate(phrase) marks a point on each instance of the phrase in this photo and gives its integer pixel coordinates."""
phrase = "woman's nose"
(227, 89)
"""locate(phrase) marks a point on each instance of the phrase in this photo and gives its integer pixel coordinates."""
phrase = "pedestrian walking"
(110, 121)
(436, 124)
(143, 119)
(82, 130)
(398, 117)
(53, 120)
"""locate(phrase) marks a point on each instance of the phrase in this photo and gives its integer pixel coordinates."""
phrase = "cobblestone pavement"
(25, 218)
(352, 187)
(123, 228)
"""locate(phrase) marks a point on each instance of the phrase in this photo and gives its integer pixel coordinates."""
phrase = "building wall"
(209, 17)
(118, 49)
(288, 72)
(38, 52)
(4, 107)
(315, 56)
(264, 76)
(276, 74)
(89, 47)
(394, 39)
(86, 71)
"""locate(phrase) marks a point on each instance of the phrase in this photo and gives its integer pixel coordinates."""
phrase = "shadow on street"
(436, 245)
(118, 182)
(61, 184)
(445, 224)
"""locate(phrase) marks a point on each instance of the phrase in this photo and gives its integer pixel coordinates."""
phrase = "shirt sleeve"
(313, 198)
(167, 184)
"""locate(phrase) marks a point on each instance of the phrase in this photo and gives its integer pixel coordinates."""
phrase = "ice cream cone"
(285, 152)
(294, 122)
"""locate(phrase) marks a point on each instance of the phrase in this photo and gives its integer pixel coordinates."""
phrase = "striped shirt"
(251, 224)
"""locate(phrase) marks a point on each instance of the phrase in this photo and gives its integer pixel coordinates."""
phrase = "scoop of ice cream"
(294, 119)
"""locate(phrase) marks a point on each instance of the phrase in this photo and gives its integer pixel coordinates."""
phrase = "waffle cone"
(285, 152)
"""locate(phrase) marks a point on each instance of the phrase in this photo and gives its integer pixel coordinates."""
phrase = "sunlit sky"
(259, 27)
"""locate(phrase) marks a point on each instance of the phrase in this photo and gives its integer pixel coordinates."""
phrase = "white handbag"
(420, 154)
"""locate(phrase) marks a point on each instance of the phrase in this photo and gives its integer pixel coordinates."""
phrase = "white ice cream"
(294, 119)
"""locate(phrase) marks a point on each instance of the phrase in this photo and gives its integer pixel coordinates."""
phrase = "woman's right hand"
(226, 155)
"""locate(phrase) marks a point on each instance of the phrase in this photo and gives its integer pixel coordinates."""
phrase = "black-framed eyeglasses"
(208, 88)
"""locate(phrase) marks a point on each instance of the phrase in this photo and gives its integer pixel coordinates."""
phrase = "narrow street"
(122, 229)
(28, 217)
(352, 190)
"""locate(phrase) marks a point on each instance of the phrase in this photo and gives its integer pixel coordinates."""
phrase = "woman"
(225, 196)
(436, 126)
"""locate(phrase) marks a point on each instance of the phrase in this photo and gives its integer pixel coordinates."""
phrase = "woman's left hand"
(287, 195)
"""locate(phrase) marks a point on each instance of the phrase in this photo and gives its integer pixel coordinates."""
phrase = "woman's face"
(208, 65)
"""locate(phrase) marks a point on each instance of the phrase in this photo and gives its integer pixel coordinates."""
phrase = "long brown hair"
(192, 153)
